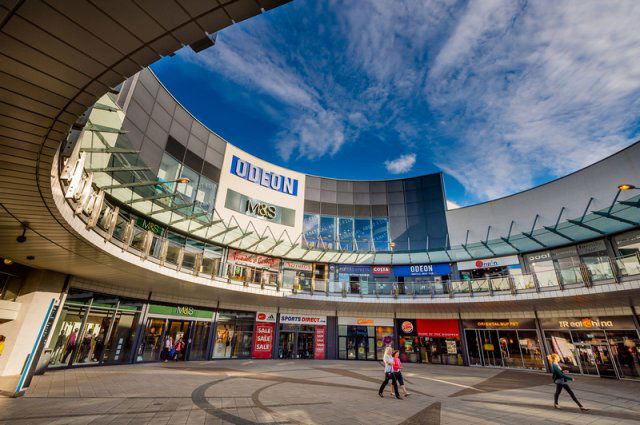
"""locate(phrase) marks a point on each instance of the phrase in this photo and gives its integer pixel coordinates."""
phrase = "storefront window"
(253, 269)
(94, 329)
(569, 270)
(206, 194)
(234, 334)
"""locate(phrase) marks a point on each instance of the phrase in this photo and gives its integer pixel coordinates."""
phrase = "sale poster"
(320, 343)
(263, 341)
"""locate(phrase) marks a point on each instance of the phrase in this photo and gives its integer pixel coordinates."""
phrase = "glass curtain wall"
(347, 233)
(94, 329)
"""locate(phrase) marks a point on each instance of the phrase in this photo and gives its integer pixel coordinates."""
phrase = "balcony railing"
(198, 258)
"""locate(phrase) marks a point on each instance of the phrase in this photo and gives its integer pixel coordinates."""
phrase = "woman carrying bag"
(561, 380)
(388, 373)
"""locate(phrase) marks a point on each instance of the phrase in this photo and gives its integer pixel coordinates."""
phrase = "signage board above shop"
(499, 324)
(438, 328)
(263, 316)
(381, 269)
(587, 323)
(353, 269)
(365, 321)
(180, 311)
(302, 319)
(258, 209)
(488, 263)
(422, 270)
(248, 259)
(269, 179)
(302, 267)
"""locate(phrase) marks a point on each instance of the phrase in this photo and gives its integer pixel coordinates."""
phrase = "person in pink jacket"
(397, 371)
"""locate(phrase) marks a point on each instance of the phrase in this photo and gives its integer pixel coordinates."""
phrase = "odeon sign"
(246, 170)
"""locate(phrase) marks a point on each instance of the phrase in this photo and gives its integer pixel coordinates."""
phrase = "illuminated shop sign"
(298, 319)
(259, 209)
(365, 321)
(617, 322)
(422, 270)
(351, 269)
(253, 173)
(499, 324)
(253, 260)
(381, 269)
(179, 310)
(486, 264)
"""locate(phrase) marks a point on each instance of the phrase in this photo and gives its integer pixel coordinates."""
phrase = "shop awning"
(436, 328)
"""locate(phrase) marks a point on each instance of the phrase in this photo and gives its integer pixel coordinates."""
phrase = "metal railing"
(197, 258)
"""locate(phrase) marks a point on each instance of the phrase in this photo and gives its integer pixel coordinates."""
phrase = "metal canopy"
(117, 168)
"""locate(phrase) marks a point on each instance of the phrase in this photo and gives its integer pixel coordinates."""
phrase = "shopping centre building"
(125, 221)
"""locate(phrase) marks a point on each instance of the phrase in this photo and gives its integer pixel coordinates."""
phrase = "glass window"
(206, 194)
(188, 190)
(310, 227)
(545, 272)
(169, 170)
(380, 233)
(345, 233)
(327, 232)
(362, 228)
(598, 266)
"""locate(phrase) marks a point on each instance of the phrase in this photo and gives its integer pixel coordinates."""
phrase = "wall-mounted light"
(626, 186)
(22, 238)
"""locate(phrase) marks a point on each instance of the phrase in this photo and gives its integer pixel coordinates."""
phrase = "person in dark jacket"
(561, 380)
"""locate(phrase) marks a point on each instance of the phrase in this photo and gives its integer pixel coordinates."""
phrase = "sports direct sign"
(298, 319)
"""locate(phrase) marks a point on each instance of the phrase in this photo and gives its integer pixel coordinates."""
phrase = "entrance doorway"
(296, 342)
(195, 335)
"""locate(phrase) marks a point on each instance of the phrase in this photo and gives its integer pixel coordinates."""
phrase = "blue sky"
(499, 95)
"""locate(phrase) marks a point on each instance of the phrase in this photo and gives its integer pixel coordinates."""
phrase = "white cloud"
(536, 92)
(402, 164)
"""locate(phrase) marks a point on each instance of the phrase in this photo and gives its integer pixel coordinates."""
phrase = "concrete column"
(39, 288)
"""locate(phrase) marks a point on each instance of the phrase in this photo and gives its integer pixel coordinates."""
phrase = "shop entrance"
(504, 348)
(358, 347)
(595, 359)
(296, 342)
(194, 334)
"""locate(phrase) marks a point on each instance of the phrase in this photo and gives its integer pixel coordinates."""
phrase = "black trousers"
(559, 388)
(392, 376)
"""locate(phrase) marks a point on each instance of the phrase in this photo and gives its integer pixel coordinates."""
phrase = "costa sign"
(298, 319)
(381, 269)
(245, 170)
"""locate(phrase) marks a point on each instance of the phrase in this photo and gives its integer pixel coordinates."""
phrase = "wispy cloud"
(452, 205)
(501, 95)
(402, 164)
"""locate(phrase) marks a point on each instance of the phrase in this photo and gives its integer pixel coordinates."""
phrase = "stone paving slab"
(245, 392)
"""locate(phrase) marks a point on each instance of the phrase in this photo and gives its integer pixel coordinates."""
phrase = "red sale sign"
(319, 349)
(263, 341)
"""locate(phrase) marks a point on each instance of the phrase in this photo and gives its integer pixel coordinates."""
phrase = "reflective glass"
(363, 233)
(169, 170)
(345, 233)
(206, 194)
(310, 227)
(380, 233)
(328, 232)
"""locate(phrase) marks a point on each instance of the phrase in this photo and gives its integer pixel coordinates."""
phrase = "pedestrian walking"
(397, 371)
(179, 348)
(388, 374)
(561, 380)
(168, 347)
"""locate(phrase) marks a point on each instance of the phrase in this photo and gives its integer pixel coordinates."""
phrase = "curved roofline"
(441, 173)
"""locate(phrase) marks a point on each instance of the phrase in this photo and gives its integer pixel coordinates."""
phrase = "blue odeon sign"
(253, 173)
(400, 271)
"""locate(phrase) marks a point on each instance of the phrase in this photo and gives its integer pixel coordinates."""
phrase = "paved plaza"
(245, 392)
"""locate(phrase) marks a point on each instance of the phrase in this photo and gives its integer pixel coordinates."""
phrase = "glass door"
(305, 345)
(179, 330)
(624, 351)
(152, 343)
(474, 347)
(199, 340)
(93, 336)
(606, 366)
(122, 337)
(490, 348)
(587, 358)
(287, 344)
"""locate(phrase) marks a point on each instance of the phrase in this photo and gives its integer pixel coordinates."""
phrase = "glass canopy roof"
(116, 168)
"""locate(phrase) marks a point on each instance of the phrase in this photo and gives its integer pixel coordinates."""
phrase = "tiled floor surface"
(246, 392)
